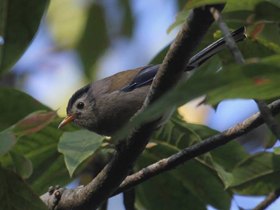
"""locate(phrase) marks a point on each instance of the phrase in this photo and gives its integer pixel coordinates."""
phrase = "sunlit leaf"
(66, 20)
(7, 141)
(15, 194)
(276, 150)
(17, 105)
(22, 165)
(77, 146)
(33, 123)
(94, 40)
(19, 22)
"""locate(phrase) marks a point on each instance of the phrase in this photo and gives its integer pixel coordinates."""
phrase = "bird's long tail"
(213, 49)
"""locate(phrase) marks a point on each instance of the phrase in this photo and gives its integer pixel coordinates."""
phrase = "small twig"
(191, 152)
(268, 200)
(228, 37)
(268, 118)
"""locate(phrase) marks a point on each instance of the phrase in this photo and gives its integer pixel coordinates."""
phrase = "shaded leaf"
(234, 81)
(22, 166)
(164, 186)
(15, 194)
(265, 11)
(33, 123)
(41, 149)
(77, 146)
(128, 19)
(257, 174)
(14, 112)
(196, 175)
(94, 40)
(19, 22)
(7, 141)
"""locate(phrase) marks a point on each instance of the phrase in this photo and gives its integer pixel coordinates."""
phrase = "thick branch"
(268, 200)
(191, 152)
(170, 72)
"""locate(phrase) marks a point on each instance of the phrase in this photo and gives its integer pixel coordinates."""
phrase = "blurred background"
(80, 41)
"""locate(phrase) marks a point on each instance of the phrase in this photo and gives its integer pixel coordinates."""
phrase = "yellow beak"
(66, 120)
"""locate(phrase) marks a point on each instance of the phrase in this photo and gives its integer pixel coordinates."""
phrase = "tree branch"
(170, 72)
(268, 200)
(198, 149)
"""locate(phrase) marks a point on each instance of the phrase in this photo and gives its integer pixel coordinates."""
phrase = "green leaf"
(196, 175)
(33, 123)
(41, 149)
(66, 20)
(198, 3)
(77, 146)
(257, 174)
(15, 194)
(258, 80)
(128, 19)
(276, 150)
(19, 22)
(164, 186)
(17, 105)
(22, 165)
(94, 40)
(7, 141)
(225, 158)
(180, 18)
(265, 11)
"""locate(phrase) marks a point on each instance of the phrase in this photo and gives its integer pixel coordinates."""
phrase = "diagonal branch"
(198, 149)
(273, 196)
(170, 72)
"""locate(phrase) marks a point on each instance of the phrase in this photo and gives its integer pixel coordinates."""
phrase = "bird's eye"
(80, 105)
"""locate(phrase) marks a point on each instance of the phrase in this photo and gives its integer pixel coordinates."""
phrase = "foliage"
(34, 154)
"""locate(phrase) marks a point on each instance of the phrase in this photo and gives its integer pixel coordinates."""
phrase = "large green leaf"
(15, 105)
(15, 194)
(77, 146)
(259, 80)
(41, 149)
(128, 19)
(257, 174)
(19, 22)
(22, 165)
(196, 176)
(94, 40)
(66, 20)
(164, 186)
(7, 141)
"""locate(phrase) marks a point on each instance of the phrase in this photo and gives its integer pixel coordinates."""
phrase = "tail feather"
(213, 49)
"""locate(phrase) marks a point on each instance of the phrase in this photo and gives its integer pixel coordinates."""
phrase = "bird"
(106, 105)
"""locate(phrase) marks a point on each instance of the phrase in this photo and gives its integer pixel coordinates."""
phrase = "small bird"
(106, 105)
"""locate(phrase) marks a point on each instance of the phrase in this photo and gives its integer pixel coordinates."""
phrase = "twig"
(267, 116)
(228, 37)
(170, 72)
(268, 200)
(191, 152)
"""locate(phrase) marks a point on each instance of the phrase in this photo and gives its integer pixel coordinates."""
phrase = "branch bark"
(170, 72)
(273, 196)
(189, 153)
